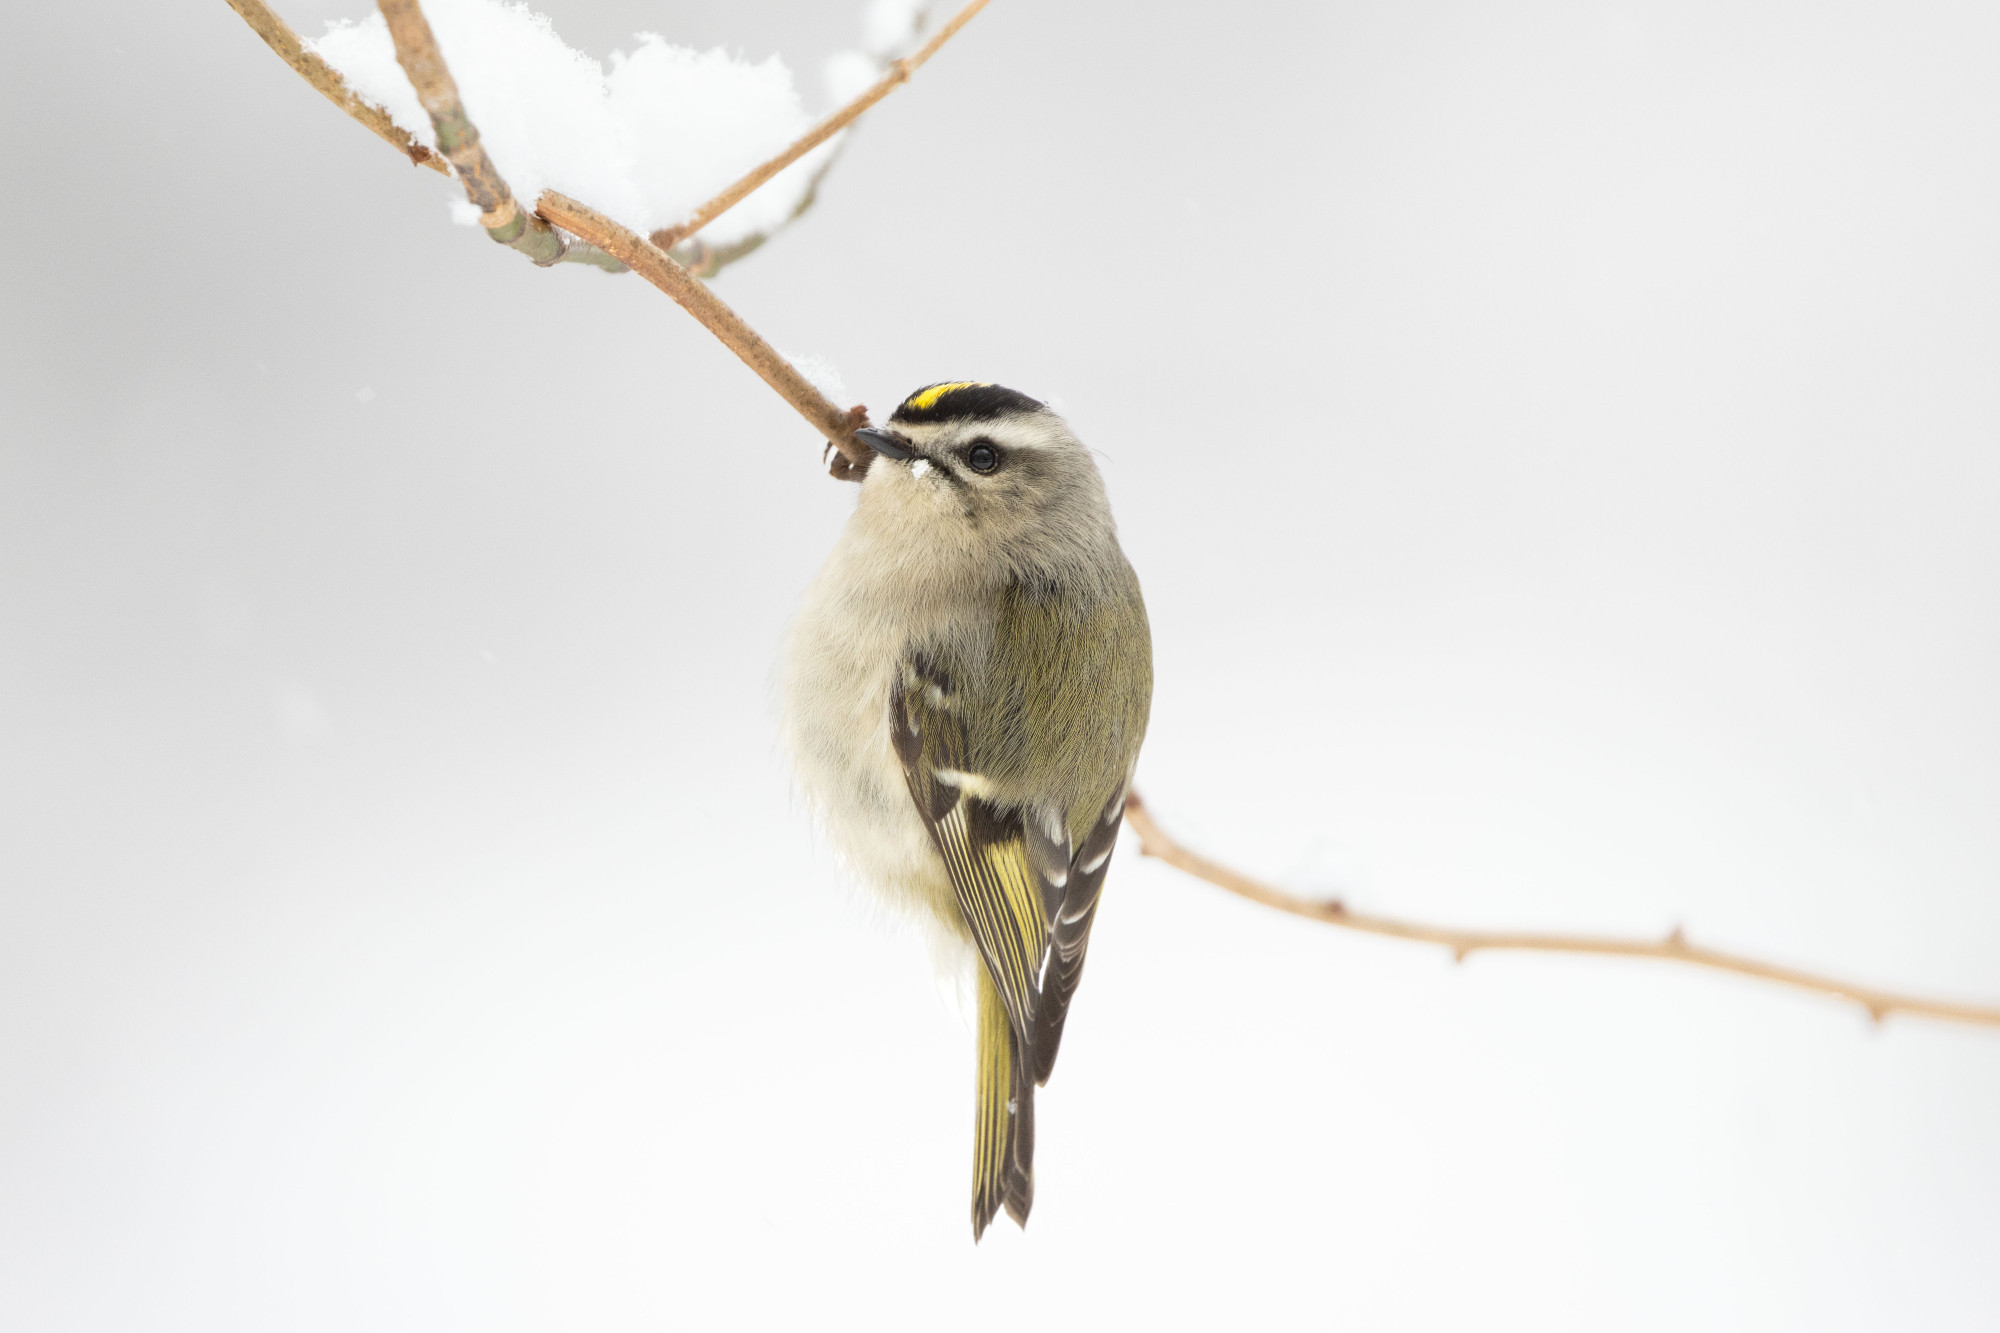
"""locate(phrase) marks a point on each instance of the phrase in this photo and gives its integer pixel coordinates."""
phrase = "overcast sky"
(1560, 444)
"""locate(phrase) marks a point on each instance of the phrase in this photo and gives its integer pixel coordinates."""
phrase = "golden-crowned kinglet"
(966, 689)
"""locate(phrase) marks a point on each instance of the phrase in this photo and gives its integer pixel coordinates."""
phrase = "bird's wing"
(1027, 894)
(1024, 793)
(998, 862)
(1082, 885)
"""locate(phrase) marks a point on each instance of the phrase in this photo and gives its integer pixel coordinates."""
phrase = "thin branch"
(656, 266)
(703, 260)
(1675, 948)
(278, 35)
(458, 138)
(899, 72)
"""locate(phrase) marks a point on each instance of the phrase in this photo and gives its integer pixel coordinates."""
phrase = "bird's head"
(981, 472)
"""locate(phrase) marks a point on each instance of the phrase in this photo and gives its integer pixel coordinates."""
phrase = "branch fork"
(601, 242)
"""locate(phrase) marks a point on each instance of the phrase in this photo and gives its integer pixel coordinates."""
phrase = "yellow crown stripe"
(927, 399)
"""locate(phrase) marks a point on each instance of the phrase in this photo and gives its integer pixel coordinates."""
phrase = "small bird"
(965, 692)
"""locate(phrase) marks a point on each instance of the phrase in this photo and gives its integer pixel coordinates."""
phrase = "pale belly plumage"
(841, 656)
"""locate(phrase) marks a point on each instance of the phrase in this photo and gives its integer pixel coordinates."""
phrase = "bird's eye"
(983, 457)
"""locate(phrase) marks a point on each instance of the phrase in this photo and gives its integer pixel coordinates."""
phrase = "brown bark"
(899, 71)
(458, 138)
(278, 35)
(656, 266)
(1674, 948)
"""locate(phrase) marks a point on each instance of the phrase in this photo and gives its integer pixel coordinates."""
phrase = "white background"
(1559, 445)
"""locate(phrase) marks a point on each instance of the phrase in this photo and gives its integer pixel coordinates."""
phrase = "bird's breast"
(842, 656)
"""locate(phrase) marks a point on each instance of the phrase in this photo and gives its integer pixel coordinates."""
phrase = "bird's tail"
(1003, 1142)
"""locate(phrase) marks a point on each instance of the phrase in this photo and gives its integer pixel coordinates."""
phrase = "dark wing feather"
(1004, 898)
(1027, 897)
(1070, 933)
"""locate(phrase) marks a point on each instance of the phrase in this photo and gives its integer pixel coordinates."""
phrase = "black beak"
(885, 442)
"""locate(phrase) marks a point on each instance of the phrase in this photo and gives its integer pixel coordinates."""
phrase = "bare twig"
(656, 266)
(278, 35)
(899, 71)
(703, 260)
(1675, 948)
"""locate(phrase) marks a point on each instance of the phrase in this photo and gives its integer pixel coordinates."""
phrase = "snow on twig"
(666, 139)
(898, 71)
(312, 67)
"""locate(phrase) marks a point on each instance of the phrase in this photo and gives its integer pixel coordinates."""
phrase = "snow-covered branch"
(458, 138)
(899, 71)
(668, 140)
(656, 88)
(312, 67)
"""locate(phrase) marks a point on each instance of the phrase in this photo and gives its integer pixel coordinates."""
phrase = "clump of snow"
(648, 140)
(821, 374)
(848, 74)
(889, 27)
